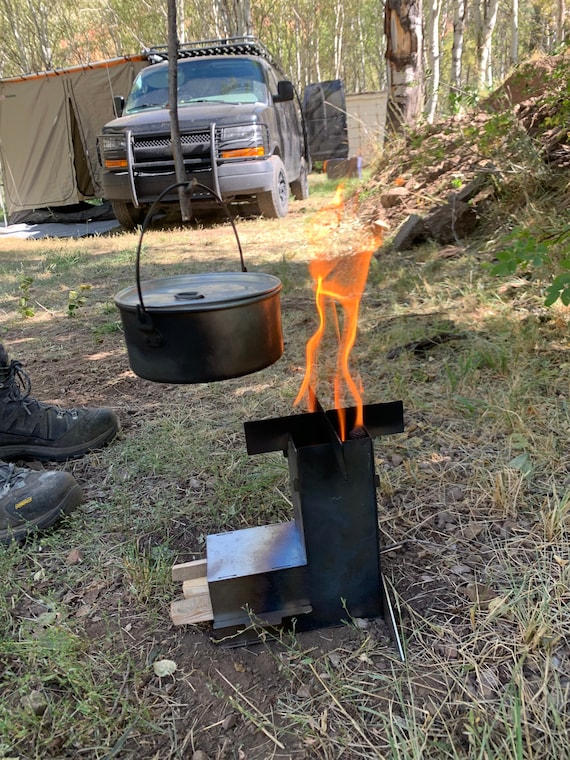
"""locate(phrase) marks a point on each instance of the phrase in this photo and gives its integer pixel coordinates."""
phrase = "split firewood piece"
(188, 570)
(196, 609)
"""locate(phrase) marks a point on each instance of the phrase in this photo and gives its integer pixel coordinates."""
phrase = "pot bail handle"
(148, 218)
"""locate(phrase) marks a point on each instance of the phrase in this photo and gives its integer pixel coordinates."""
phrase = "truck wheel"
(300, 186)
(128, 215)
(274, 204)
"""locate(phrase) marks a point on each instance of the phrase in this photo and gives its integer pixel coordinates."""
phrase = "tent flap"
(48, 132)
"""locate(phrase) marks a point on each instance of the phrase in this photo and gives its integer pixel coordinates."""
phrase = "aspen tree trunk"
(338, 36)
(242, 13)
(433, 58)
(180, 19)
(457, 52)
(488, 21)
(515, 33)
(232, 18)
(13, 21)
(404, 43)
(362, 53)
(561, 16)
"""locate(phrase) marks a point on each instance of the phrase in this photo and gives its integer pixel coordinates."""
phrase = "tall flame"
(339, 281)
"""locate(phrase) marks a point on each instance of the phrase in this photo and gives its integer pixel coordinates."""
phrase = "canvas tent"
(49, 124)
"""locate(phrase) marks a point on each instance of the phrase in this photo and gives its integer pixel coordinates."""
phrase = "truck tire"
(128, 215)
(274, 204)
(300, 186)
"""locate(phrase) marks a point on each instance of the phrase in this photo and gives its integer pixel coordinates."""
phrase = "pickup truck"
(242, 131)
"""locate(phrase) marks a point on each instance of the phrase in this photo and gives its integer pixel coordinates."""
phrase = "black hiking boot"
(30, 429)
(31, 501)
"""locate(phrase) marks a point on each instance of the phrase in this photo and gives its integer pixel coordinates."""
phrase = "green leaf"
(523, 464)
(559, 288)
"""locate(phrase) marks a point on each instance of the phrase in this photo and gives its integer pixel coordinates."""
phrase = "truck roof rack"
(247, 45)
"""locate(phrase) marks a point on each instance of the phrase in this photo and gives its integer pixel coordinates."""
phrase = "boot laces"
(19, 386)
(10, 475)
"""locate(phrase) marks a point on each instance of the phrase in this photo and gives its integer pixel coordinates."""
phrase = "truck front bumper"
(234, 179)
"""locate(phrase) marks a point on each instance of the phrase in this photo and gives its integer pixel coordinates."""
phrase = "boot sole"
(49, 453)
(70, 501)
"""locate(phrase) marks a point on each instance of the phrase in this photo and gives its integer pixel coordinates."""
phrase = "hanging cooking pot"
(199, 328)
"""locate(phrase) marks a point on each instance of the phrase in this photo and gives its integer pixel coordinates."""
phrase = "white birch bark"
(338, 37)
(489, 19)
(457, 52)
(434, 58)
(515, 33)
(560, 19)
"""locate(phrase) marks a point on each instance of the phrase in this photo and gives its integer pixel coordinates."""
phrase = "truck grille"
(150, 150)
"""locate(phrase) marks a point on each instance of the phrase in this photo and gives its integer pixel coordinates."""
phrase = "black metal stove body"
(324, 566)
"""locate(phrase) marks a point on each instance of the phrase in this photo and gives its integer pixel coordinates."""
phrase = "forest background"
(446, 51)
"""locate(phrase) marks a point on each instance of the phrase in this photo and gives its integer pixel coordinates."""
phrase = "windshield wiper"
(205, 100)
(147, 105)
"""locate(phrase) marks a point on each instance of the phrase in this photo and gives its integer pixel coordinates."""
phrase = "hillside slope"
(483, 169)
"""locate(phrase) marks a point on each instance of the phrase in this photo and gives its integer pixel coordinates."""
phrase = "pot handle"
(147, 220)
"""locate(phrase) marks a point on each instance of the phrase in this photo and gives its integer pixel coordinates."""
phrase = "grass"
(474, 515)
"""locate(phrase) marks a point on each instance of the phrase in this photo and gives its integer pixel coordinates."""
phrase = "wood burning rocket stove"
(323, 567)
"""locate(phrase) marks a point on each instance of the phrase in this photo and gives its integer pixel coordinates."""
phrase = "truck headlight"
(114, 151)
(243, 141)
(114, 143)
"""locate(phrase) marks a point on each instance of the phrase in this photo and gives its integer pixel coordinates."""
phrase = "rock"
(456, 493)
(35, 701)
(395, 196)
(379, 226)
(335, 659)
(445, 518)
(472, 530)
(75, 557)
(199, 755)
(461, 570)
(229, 722)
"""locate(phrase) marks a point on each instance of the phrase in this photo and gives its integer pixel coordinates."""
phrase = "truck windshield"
(228, 80)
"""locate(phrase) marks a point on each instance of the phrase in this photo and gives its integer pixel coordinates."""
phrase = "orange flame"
(339, 281)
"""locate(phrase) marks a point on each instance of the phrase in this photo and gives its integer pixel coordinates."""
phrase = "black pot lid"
(200, 292)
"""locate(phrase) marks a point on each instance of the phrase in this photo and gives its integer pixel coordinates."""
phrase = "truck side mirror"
(285, 92)
(118, 105)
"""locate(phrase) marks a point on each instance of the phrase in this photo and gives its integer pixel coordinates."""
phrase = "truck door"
(324, 110)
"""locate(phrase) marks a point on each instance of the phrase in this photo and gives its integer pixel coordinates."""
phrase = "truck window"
(228, 80)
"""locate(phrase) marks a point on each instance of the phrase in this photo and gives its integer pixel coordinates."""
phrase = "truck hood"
(191, 117)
